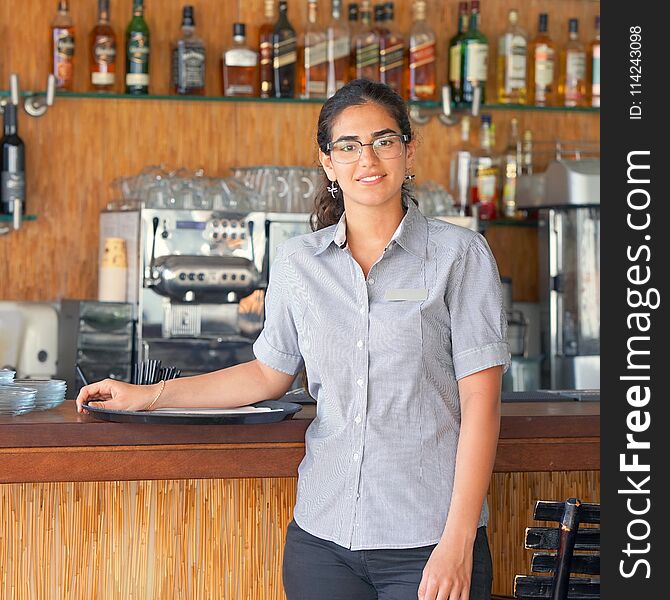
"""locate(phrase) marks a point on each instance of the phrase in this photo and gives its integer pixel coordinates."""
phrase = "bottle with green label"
(137, 52)
(456, 54)
(475, 57)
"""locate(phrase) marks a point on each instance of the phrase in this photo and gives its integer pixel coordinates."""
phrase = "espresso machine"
(567, 195)
(199, 280)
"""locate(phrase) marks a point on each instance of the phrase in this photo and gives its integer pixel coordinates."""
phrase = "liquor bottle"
(62, 47)
(421, 76)
(484, 191)
(475, 58)
(103, 50)
(337, 50)
(391, 52)
(265, 50)
(313, 58)
(456, 54)
(354, 23)
(594, 63)
(460, 169)
(512, 51)
(572, 81)
(188, 58)
(527, 153)
(365, 48)
(511, 163)
(542, 67)
(137, 52)
(284, 54)
(12, 177)
(240, 66)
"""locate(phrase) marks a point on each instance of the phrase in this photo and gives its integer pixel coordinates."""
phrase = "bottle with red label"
(485, 174)
(421, 78)
(62, 47)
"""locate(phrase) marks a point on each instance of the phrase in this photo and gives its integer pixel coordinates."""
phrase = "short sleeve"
(277, 344)
(478, 319)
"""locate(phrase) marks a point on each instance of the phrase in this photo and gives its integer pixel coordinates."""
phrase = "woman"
(398, 322)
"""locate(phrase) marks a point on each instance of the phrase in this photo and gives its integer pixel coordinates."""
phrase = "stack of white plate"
(6, 376)
(16, 400)
(50, 392)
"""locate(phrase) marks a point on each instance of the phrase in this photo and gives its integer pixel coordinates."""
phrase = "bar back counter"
(92, 509)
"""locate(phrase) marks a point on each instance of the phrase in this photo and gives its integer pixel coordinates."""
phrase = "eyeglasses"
(349, 151)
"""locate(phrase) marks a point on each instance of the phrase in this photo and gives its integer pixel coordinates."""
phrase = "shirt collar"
(411, 234)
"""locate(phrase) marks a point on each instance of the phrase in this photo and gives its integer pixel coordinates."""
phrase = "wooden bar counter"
(108, 510)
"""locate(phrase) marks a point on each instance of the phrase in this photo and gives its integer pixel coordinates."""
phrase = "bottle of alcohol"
(62, 47)
(12, 177)
(542, 67)
(456, 48)
(475, 58)
(265, 48)
(188, 58)
(103, 51)
(527, 153)
(460, 169)
(337, 50)
(572, 81)
(485, 174)
(137, 52)
(511, 163)
(421, 84)
(512, 51)
(594, 62)
(313, 59)
(365, 48)
(391, 51)
(354, 23)
(284, 53)
(240, 66)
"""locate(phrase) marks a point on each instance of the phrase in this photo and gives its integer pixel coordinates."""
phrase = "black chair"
(564, 539)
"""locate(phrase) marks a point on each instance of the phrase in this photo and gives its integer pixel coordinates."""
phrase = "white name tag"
(406, 294)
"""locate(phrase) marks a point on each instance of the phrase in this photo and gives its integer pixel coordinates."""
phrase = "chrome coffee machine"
(202, 279)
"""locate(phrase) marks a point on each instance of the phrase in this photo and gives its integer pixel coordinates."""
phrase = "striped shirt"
(383, 355)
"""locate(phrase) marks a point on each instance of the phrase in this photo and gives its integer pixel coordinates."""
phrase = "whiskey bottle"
(265, 50)
(456, 48)
(188, 58)
(475, 58)
(512, 51)
(240, 66)
(103, 51)
(572, 81)
(511, 163)
(353, 18)
(365, 48)
(485, 174)
(421, 72)
(337, 50)
(137, 52)
(313, 59)
(391, 52)
(594, 63)
(12, 175)
(542, 67)
(284, 54)
(62, 47)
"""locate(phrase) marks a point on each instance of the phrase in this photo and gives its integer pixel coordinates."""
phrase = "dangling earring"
(333, 189)
(409, 177)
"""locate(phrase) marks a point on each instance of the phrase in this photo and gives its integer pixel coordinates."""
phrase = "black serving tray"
(288, 409)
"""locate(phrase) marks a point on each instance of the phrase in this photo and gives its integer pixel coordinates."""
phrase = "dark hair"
(328, 210)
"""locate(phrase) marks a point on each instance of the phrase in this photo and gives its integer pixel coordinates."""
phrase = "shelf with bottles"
(9, 218)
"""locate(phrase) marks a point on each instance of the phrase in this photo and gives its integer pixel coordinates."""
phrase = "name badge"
(406, 294)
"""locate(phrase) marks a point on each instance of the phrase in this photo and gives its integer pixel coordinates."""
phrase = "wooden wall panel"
(81, 145)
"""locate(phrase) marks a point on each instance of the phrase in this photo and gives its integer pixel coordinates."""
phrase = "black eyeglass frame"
(404, 138)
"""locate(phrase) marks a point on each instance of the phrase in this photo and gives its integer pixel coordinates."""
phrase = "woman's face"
(370, 181)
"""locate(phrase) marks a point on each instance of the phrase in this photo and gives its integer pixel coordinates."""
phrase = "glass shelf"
(9, 218)
(174, 97)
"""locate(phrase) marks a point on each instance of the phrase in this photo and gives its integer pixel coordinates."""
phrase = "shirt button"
(355, 455)
(357, 419)
(371, 281)
(360, 382)
(362, 310)
(359, 343)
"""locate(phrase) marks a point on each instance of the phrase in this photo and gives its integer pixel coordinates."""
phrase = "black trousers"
(316, 569)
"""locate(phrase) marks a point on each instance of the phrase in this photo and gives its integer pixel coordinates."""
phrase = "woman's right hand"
(117, 395)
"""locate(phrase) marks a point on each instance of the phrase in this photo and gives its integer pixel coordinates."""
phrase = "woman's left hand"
(447, 574)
